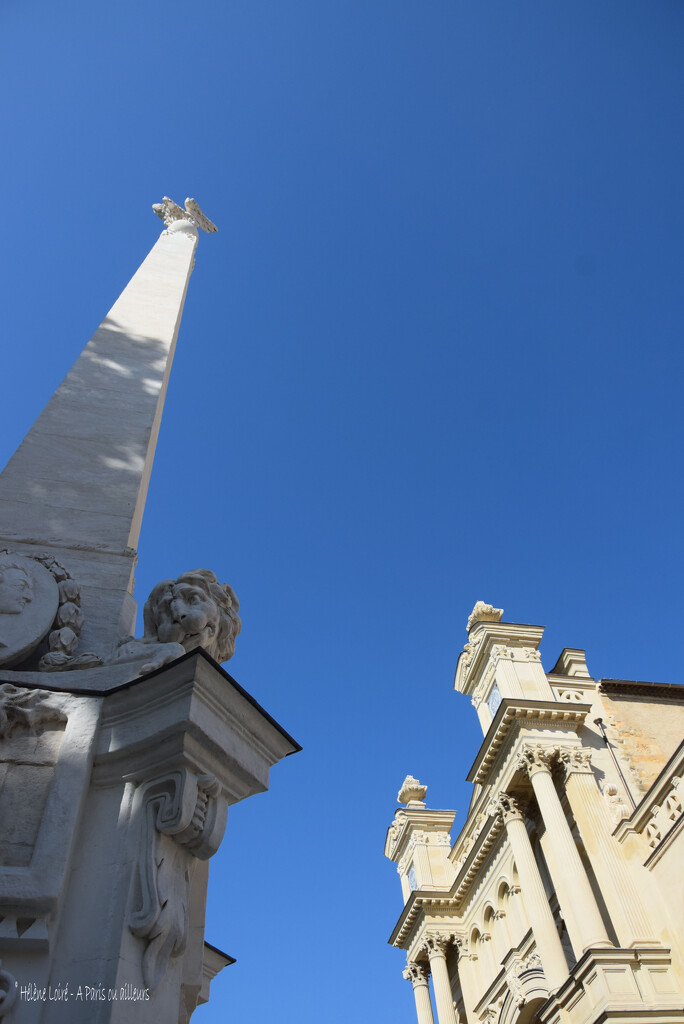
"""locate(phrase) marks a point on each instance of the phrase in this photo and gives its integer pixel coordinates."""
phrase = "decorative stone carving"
(571, 696)
(183, 819)
(575, 759)
(617, 808)
(171, 212)
(513, 983)
(180, 615)
(8, 991)
(436, 944)
(535, 757)
(471, 649)
(483, 613)
(411, 791)
(504, 806)
(29, 598)
(416, 972)
(67, 626)
(492, 1012)
(21, 708)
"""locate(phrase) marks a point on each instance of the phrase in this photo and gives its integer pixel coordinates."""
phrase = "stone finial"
(484, 613)
(411, 792)
(169, 212)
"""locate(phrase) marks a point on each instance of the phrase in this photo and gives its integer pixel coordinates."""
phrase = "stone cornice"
(511, 716)
(187, 713)
(419, 903)
(637, 688)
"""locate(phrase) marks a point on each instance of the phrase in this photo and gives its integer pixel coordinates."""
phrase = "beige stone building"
(562, 899)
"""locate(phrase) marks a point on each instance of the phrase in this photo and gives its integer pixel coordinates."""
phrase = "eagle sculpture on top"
(168, 211)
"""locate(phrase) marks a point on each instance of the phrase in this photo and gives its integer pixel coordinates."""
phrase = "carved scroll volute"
(184, 821)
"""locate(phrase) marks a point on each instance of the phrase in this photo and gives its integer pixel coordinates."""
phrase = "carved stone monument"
(119, 756)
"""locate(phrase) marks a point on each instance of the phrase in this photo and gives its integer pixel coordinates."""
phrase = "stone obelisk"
(76, 487)
(119, 759)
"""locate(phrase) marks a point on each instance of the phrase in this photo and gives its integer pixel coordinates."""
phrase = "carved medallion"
(29, 598)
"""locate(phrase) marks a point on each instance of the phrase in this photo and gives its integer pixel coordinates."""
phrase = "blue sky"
(432, 356)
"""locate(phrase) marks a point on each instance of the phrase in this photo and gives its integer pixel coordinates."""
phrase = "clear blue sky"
(433, 355)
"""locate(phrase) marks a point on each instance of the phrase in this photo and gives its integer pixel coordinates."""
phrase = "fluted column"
(534, 895)
(417, 974)
(436, 946)
(575, 895)
(592, 816)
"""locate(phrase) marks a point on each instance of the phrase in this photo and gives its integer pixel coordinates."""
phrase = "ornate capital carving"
(536, 758)
(575, 759)
(463, 946)
(183, 819)
(417, 973)
(436, 944)
(506, 807)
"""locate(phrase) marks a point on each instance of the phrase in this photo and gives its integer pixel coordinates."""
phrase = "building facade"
(562, 899)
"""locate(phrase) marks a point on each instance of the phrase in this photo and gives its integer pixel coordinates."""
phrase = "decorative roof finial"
(484, 613)
(168, 211)
(412, 792)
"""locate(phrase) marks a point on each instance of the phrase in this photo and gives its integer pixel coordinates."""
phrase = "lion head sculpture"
(196, 611)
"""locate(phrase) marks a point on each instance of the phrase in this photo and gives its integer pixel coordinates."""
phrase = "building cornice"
(510, 716)
(639, 688)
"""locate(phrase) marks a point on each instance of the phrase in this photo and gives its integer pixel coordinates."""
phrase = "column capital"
(535, 757)
(575, 759)
(436, 945)
(462, 944)
(506, 807)
(416, 972)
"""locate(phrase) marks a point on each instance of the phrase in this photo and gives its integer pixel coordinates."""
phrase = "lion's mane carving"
(194, 610)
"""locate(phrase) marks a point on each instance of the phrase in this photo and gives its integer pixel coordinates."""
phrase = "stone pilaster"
(592, 816)
(533, 893)
(418, 975)
(575, 895)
